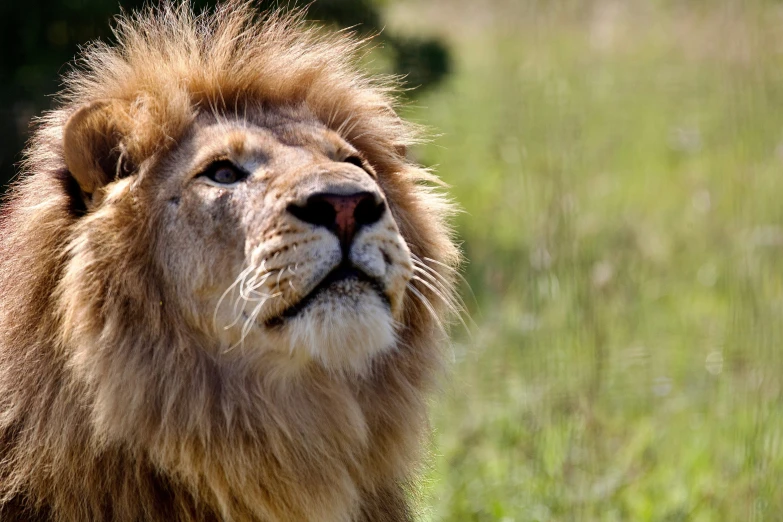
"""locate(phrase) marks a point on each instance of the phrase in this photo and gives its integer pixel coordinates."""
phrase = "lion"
(224, 282)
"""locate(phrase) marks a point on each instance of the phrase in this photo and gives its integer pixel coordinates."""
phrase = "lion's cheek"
(199, 260)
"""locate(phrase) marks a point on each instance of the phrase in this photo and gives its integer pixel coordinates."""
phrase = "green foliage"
(619, 167)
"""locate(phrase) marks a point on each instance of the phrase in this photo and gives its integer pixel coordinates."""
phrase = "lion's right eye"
(224, 173)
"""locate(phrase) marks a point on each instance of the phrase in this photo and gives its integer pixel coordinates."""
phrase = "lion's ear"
(92, 141)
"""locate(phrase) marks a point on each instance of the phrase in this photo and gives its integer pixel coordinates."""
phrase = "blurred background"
(619, 166)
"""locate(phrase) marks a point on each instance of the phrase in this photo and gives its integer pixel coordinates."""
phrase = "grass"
(620, 167)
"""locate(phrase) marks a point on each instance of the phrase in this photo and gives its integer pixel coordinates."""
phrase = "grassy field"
(620, 164)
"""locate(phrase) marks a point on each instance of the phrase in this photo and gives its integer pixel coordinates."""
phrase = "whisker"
(250, 320)
(443, 289)
(247, 291)
(429, 308)
(244, 332)
(448, 302)
(444, 265)
(242, 275)
(250, 287)
(252, 273)
(452, 270)
(240, 300)
(443, 284)
(436, 278)
(419, 263)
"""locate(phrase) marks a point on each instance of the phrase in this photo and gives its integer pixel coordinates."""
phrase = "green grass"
(620, 165)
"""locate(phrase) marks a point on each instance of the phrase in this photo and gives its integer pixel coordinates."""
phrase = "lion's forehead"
(260, 137)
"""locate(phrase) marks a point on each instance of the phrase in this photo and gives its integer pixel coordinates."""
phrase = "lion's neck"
(259, 447)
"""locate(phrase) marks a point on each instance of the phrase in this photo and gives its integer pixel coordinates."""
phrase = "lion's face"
(277, 238)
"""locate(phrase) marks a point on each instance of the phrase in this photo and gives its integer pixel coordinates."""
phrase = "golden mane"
(170, 63)
(186, 441)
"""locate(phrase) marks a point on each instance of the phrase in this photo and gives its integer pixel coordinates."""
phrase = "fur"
(126, 393)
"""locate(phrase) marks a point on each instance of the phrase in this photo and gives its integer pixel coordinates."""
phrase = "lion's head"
(270, 234)
(225, 276)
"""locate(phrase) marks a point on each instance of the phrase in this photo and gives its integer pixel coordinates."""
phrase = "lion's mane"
(188, 442)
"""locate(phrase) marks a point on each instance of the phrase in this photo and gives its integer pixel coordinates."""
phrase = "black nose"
(342, 214)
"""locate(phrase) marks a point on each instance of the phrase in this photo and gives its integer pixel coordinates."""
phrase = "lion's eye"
(355, 160)
(224, 173)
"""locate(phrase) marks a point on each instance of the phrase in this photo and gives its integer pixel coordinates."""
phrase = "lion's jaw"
(263, 280)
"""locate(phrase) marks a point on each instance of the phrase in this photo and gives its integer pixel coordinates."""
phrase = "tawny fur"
(114, 403)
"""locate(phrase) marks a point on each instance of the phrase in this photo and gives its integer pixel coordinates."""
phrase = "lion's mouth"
(344, 272)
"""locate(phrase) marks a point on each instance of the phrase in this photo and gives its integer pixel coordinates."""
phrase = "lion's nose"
(343, 214)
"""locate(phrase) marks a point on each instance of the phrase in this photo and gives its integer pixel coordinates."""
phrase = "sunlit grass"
(620, 165)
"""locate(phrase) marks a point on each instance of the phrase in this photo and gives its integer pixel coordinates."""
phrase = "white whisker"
(240, 278)
(435, 278)
(448, 302)
(450, 269)
(251, 286)
(250, 321)
(453, 299)
(445, 283)
(429, 307)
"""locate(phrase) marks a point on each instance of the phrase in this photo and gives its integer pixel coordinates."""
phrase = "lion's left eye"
(224, 173)
(355, 160)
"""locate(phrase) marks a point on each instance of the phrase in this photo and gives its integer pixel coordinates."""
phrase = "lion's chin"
(342, 328)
